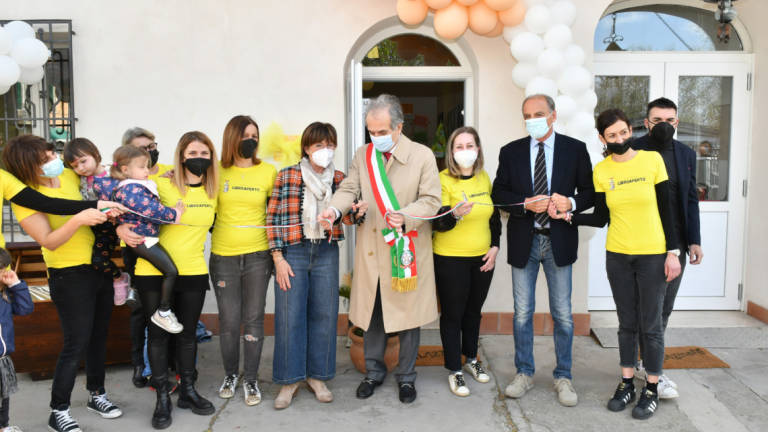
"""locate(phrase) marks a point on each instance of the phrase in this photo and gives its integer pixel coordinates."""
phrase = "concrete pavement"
(731, 400)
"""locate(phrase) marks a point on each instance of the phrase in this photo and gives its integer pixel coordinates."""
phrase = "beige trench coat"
(412, 171)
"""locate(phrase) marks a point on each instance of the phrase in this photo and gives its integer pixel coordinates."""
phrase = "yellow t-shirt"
(472, 234)
(77, 250)
(635, 227)
(10, 186)
(185, 244)
(243, 195)
(161, 169)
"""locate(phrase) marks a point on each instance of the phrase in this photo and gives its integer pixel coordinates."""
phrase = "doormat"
(691, 357)
(432, 355)
(708, 337)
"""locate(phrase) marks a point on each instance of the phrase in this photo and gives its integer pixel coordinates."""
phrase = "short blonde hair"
(123, 157)
(453, 168)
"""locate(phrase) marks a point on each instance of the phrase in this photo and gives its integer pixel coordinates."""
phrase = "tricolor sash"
(402, 247)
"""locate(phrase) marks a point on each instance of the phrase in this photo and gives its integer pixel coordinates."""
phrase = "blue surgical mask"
(53, 168)
(537, 127)
(383, 143)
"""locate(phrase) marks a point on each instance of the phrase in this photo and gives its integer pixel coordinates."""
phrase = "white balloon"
(9, 71)
(587, 101)
(4, 90)
(551, 63)
(526, 47)
(510, 33)
(5, 41)
(523, 73)
(32, 75)
(575, 80)
(541, 85)
(563, 12)
(531, 3)
(30, 53)
(19, 30)
(574, 55)
(538, 19)
(558, 36)
(566, 107)
(581, 124)
(560, 125)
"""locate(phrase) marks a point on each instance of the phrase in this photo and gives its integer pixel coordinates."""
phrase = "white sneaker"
(475, 369)
(458, 385)
(228, 387)
(168, 323)
(667, 389)
(11, 429)
(251, 391)
(519, 386)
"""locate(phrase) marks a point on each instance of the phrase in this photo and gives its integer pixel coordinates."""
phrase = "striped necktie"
(540, 183)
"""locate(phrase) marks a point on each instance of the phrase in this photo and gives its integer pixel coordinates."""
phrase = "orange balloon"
(514, 15)
(500, 5)
(467, 2)
(412, 12)
(452, 21)
(438, 4)
(482, 19)
(499, 29)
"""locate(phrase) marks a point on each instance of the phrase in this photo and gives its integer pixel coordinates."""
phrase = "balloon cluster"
(453, 17)
(550, 63)
(22, 55)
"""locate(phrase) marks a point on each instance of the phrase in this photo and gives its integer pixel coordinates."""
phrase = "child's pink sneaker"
(121, 285)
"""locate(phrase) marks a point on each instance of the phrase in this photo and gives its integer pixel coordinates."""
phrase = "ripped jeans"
(240, 283)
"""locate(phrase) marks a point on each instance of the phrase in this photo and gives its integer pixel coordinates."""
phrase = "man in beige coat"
(374, 305)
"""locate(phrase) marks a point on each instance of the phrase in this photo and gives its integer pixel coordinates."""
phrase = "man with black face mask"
(680, 161)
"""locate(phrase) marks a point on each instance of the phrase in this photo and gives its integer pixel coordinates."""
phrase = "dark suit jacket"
(687, 195)
(571, 171)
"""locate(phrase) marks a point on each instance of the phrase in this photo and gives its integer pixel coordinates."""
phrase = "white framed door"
(713, 99)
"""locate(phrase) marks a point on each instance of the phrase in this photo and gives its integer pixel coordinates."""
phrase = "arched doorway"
(644, 51)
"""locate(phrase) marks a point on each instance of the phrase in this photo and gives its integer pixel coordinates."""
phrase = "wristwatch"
(674, 251)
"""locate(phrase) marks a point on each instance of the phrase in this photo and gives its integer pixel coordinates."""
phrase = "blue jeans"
(524, 289)
(307, 313)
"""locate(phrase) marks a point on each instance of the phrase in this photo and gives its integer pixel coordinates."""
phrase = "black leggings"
(5, 407)
(158, 257)
(188, 300)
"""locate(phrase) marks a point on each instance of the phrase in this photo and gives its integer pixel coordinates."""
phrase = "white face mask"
(383, 143)
(465, 158)
(322, 157)
(537, 127)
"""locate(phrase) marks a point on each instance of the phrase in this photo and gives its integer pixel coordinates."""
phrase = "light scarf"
(317, 197)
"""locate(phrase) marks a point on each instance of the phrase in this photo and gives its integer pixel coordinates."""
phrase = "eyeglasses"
(670, 120)
(150, 146)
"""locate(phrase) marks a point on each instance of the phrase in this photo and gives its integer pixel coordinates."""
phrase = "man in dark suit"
(537, 169)
(661, 121)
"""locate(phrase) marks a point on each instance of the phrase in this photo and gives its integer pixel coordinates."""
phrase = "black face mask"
(153, 155)
(197, 166)
(662, 133)
(619, 148)
(248, 148)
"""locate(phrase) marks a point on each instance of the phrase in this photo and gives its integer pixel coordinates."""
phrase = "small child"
(14, 300)
(139, 194)
(84, 158)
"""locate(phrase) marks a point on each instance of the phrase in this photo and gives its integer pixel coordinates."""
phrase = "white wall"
(179, 65)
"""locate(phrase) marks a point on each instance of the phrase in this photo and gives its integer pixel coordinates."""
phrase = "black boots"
(161, 418)
(139, 380)
(189, 398)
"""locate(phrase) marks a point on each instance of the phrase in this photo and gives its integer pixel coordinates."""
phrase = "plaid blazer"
(285, 206)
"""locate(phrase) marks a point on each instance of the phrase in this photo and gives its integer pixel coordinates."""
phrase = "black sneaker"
(99, 404)
(646, 406)
(625, 393)
(61, 421)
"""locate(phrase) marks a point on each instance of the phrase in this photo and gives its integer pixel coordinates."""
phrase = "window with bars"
(46, 109)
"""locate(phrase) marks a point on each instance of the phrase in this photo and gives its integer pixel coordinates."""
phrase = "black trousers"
(158, 257)
(462, 289)
(638, 285)
(5, 407)
(187, 302)
(137, 322)
(83, 298)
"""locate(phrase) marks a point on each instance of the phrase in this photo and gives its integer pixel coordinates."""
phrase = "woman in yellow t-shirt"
(143, 139)
(632, 193)
(240, 262)
(465, 247)
(82, 296)
(195, 183)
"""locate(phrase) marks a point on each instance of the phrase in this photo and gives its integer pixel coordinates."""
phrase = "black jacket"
(688, 196)
(571, 171)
